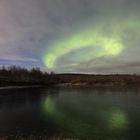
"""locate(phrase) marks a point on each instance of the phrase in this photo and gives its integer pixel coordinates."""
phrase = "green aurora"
(102, 40)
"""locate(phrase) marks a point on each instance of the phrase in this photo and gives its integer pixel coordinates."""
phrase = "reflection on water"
(84, 113)
(118, 120)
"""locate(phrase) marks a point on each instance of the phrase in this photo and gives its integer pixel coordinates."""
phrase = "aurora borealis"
(95, 45)
(76, 36)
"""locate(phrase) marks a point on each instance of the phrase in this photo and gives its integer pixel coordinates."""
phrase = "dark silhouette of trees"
(21, 76)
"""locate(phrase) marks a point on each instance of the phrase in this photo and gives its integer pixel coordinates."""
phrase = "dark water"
(83, 113)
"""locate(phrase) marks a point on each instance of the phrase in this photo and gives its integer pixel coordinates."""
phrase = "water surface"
(83, 113)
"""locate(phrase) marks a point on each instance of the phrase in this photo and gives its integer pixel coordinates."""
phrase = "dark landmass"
(99, 80)
(16, 76)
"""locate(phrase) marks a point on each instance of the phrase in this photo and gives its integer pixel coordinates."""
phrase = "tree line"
(14, 75)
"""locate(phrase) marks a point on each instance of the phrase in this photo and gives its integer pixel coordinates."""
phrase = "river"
(71, 112)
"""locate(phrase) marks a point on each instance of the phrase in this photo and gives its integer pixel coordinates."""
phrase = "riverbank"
(34, 137)
(18, 87)
(96, 80)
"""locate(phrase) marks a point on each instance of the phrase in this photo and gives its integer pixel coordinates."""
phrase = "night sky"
(71, 36)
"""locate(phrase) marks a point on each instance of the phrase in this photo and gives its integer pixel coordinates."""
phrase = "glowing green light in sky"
(49, 60)
(106, 37)
(110, 46)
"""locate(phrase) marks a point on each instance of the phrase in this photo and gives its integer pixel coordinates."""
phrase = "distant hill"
(99, 80)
